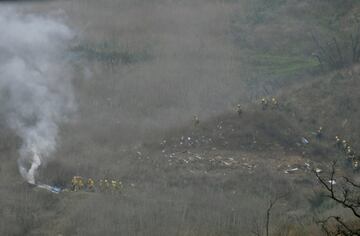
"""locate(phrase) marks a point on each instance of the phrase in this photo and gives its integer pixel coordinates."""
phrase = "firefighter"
(106, 185)
(91, 184)
(274, 103)
(264, 103)
(355, 163)
(114, 185)
(319, 133)
(345, 144)
(238, 109)
(337, 142)
(80, 183)
(350, 153)
(120, 185)
(74, 184)
(196, 120)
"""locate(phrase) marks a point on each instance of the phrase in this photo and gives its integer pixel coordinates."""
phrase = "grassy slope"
(184, 195)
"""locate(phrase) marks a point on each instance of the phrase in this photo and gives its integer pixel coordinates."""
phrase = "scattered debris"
(304, 140)
(52, 189)
(290, 171)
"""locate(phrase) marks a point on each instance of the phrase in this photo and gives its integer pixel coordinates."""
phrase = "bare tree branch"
(348, 198)
(268, 211)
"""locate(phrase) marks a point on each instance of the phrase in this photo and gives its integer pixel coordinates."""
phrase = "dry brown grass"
(195, 66)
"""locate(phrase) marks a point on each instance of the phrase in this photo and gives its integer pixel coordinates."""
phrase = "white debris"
(317, 170)
(226, 163)
(332, 182)
(288, 171)
(304, 140)
(249, 166)
(49, 188)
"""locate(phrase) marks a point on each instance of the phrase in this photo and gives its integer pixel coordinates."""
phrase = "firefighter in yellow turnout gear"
(80, 183)
(91, 185)
(74, 184)
(115, 186)
(264, 103)
(106, 185)
(103, 185)
(274, 103)
(77, 183)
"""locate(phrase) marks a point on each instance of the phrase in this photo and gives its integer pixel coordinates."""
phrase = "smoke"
(35, 84)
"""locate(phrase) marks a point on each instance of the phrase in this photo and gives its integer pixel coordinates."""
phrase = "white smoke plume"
(35, 84)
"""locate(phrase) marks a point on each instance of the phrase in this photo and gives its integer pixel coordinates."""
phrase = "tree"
(258, 230)
(346, 193)
(337, 53)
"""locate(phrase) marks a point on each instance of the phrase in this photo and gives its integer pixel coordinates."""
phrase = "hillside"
(236, 161)
(142, 70)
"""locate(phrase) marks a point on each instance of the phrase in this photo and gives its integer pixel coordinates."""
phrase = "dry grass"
(195, 64)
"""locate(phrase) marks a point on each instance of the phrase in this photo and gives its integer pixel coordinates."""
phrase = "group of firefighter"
(265, 103)
(78, 183)
(345, 147)
(350, 154)
(269, 103)
(341, 144)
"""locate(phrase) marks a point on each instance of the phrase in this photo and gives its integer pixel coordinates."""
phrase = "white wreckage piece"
(304, 140)
(49, 188)
(292, 170)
